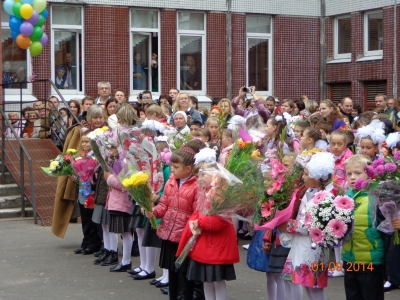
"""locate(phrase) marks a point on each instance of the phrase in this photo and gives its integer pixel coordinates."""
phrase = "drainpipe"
(322, 53)
(229, 49)
(395, 51)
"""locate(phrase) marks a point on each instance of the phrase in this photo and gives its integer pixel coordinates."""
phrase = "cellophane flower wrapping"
(387, 195)
(329, 219)
(137, 183)
(61, 165)
(220, 194)
(84, 166)
(100, 142)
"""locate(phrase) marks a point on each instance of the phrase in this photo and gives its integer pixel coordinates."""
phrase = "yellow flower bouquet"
(138, 186)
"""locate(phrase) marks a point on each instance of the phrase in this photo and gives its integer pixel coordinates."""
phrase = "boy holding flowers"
(364, 254)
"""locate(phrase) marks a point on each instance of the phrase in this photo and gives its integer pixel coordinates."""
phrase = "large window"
(259, 52)
(373, 33)
(342, 37)
(16, 61)
(67, 48)
(145, 50)
(191, 52)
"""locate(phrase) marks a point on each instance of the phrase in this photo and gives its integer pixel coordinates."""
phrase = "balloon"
(45, 13)
(26, 28)
(39, 5)
(44, 39)
(30, 2)
(16, 9)
(36, 48)
(26, 11)
(34, 19)
(41, 21)
(17, 0)
(8, 7)
(37, 33)
(15, 23)
(14, 35)
(23, 41)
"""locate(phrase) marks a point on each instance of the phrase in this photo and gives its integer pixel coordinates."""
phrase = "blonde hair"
(155, 109)
(311, 106)
(231, 111)
(176, 106)
(358, 159)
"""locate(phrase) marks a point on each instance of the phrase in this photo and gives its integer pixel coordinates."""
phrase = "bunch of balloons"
(27, 19)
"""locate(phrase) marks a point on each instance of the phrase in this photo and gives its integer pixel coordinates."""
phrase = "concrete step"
(13, 201)
(15, 212)
(9, 189)
(8, 178)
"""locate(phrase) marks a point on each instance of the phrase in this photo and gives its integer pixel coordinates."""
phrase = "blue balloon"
(45, 13)
(8, 5)
(15, 23)
(27, 2)
(14, 35)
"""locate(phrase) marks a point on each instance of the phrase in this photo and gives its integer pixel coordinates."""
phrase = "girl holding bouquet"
(176, 205)
(298, 267)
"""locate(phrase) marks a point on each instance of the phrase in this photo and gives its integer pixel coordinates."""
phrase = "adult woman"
(180, 120)
(109, 112)
(227, 109)
(288, 106)
(253, 107)
(189, 77)
(184, 104)
(33, 115)
(94, 117)
(331, 113)
(310, 108)
(75, 108)
(126, 115)
(298, 107)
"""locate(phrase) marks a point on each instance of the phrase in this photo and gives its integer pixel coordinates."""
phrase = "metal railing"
(55, 126)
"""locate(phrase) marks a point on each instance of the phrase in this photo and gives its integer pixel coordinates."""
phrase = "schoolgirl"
(370, 139)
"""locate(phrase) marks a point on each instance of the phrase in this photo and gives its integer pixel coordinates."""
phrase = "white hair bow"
(278, 118)
(161, 138)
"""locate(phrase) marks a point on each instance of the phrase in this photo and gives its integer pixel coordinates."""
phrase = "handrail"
(23, 152)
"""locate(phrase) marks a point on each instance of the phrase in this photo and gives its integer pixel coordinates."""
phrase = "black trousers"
(394, 269)
(177, 281)
(365, 285)
(91, 238)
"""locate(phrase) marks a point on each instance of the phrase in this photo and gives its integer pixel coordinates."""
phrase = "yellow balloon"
(26, 11)
(17, 0)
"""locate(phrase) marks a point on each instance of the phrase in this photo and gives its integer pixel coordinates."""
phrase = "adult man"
(71, 71)
(381, 103)
(104, 91)
(391, 103)
(52, 125)
(144, 98)
(346, 107)
(120, 95)
(173, 93)
(37, 104)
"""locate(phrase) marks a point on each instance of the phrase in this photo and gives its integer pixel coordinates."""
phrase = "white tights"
(293, 291)
(275, 286)
(164, 276)
(110, 239)
(215, 290)
(147, 255)
(127, 240)
(315, 294)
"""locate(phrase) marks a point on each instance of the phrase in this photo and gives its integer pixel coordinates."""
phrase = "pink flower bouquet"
(329, 220)
(84, 166)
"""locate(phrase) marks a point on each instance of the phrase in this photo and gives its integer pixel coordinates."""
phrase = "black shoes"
(133, 272)
(164, 291)
(111, 259)
(162, 285)
(88, 251)
(102, 257)
(98, 253)
(121, 268)
(147, 276)
(78, 251)
(154, 281)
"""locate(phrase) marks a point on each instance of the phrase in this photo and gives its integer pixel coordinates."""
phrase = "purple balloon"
(26, 28)
(34, 19)
(44, 39)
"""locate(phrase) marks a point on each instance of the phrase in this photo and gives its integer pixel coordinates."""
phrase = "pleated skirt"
(119, 223)
(210, 273)
(101, 215)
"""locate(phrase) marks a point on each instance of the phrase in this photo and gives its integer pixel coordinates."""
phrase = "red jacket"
(216, 245)
(175, 207)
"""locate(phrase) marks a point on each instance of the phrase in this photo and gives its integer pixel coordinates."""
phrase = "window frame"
(133, 93)
(365, 36)
(12, 93)
(336, 54)
(194, 33)
(69, 93)
(264, 36)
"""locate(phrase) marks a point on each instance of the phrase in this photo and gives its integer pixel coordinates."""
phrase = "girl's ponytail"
(184, 156)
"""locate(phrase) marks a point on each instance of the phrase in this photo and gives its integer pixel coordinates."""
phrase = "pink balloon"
(44, 39)
(34, 19)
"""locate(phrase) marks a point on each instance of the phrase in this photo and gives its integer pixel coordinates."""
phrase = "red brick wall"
(238, 52)
(168, 50)
(106, 47)
(296, 57)
(216, 54)
(359, 72)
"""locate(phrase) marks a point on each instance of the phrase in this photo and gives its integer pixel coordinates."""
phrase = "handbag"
(257, 259)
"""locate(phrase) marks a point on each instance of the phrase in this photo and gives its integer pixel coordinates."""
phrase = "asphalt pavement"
(34, 264)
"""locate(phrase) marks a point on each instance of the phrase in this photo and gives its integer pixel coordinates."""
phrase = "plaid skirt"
(119, 223)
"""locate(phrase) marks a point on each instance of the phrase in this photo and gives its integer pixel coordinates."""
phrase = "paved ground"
(34, 264)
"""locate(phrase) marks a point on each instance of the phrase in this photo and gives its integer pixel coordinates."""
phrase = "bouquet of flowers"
(100, 141)
(217, 196)
(329, 219)
(61, 165)
(85, 166)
